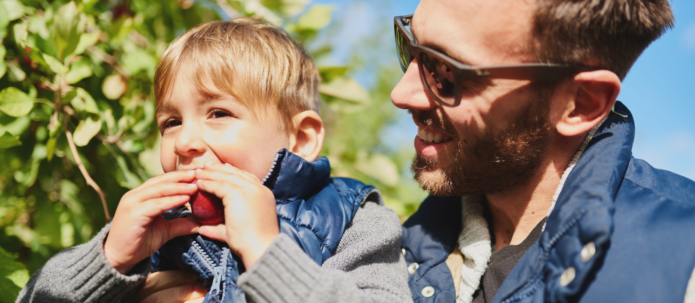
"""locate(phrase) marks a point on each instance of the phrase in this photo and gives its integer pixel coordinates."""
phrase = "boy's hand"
(171, 286)
(251, 221)
(138, 229)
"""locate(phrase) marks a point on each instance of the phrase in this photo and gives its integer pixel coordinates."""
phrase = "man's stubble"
(491, 162)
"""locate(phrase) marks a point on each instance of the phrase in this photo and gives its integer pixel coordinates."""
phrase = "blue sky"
(658, 89)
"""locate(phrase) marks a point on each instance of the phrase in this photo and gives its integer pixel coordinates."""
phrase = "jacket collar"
(291, 177)
(584, 208)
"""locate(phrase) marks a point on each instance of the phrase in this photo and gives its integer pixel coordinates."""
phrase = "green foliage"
(13, 276)
(76, 105)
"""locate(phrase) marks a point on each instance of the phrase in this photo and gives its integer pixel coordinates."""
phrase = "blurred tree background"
(77, 125)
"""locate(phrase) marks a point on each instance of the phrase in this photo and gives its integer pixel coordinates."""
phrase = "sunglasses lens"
(438, 78)
(403, 47)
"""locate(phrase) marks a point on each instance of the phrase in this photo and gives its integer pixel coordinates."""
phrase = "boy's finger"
(155, 207)
(166, 190)
(181, 293)
(185, 176)
(219, 175)
(215, 232)
(163, 280)
(181, 227)
(231, 170)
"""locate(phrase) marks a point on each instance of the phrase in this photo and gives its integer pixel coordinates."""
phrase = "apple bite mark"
(207, 208)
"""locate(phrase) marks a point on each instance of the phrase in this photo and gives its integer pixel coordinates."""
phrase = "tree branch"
(85, 174)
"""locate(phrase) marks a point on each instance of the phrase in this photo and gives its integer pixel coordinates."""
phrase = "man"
(534, 193)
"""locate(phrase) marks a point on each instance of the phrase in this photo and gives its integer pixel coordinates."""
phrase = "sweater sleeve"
(367, 267)
(82, 274)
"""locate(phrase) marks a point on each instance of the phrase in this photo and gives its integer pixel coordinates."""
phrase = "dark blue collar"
(586, 201)
(291, 177)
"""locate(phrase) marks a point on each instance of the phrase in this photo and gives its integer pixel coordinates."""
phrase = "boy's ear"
(588, 99)
(306, 140)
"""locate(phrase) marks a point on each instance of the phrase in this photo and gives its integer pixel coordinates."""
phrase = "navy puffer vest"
(313, 209)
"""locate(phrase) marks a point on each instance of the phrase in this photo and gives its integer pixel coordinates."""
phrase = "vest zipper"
(217, 288)
(216, 293)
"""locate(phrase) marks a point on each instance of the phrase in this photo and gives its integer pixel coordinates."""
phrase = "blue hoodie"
(621, 231)
(313, 209)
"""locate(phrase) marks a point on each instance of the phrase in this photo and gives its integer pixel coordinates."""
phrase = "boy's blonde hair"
(253, 61)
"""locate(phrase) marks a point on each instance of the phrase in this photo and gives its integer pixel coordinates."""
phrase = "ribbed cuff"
(92, 278)
(283, 274)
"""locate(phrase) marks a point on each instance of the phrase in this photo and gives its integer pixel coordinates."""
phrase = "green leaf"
(15, 103)
(50, 148)
(53, 136)
(69, 25)
(138, 60)
(352, 94)
(55, 65)
(86, 40)
(4, 21)
(20, 33)
(145, 123)
(13, 276)
(66, 17)
(3, 52)
(67, 230)
(124, 176)
(27, 174)
(86, 130)
(13, 8)
(110, 120)
(69, 194)
(288, 8)
(78, 70)
(114, 86)
(38, 25)
(15, 73)
(328, 73)
(90, 105)
(316, 18)
(7, 140)
(16, 127)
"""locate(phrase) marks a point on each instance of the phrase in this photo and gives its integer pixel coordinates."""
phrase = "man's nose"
(409, 92)
(189, 141)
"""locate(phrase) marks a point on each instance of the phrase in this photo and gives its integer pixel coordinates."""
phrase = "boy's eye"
(170, 123)
(217, 113)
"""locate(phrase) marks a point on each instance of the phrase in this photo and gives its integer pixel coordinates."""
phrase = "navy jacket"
(313, 209)
(621, 231)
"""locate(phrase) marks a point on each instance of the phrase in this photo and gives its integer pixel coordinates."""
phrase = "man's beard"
(492, 162)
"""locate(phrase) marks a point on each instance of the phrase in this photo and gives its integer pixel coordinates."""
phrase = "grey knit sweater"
(367, 267)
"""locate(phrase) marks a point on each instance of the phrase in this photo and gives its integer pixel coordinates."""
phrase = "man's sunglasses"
(443, 76)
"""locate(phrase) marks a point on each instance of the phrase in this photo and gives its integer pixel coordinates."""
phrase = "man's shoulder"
(647, 182)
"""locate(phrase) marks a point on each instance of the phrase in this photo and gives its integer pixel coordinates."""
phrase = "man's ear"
(590, 100)
(306, 140)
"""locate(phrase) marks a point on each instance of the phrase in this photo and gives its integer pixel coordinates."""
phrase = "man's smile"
(430, 136)
(430, 142)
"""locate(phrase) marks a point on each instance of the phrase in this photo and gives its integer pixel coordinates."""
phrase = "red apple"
(207, 208)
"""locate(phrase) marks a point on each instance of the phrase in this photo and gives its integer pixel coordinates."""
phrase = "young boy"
(230, 95)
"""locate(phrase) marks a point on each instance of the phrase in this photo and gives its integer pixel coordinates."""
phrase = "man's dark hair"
(606, 33)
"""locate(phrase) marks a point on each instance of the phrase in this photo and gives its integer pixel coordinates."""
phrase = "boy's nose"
(189, 142)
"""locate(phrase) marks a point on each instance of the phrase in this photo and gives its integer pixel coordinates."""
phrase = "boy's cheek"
(167, 157)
